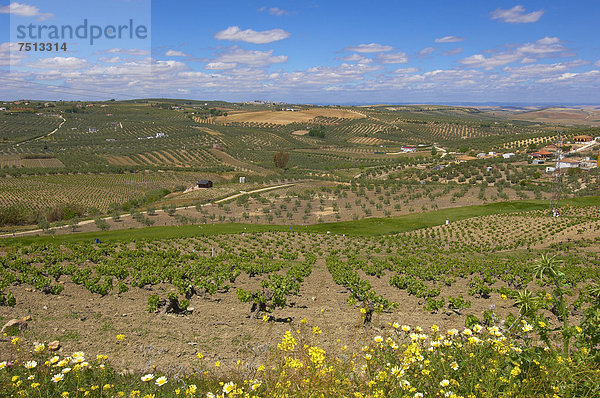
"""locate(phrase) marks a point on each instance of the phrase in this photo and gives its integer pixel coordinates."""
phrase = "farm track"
(45, 135)
(243, 166)
(86, 222)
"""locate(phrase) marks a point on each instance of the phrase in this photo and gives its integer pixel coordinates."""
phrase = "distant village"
(564, 158)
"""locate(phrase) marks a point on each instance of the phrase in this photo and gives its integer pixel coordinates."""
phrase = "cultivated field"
(29, 161)
(588, 116)
(323, 261)
(98, 191)
(443, 276)
(288, 117)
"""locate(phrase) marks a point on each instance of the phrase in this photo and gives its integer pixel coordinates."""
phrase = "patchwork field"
(288, 117)
(167, 158)
(97, 191)
(444, 276)
(589, 116)
(322, 261)
(29, 161)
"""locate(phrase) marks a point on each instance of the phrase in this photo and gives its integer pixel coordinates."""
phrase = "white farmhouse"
(567, 163)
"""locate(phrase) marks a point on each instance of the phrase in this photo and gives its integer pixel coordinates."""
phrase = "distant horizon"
(374, 103)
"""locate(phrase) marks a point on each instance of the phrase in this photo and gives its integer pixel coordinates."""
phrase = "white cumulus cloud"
(234, 33)
(426, 51)
(584, 77)
(10, 54)
(249, 57)
(525, 53)
(406, 70)
(24, 10)
(356, 58)
(220, 65)
(175, 53)
(449, 39)
(60, 63)
(130, 51)
(517, 15)
(277, 11)
(481, 61)
(392, 58)
(542, 46)
(369, 48)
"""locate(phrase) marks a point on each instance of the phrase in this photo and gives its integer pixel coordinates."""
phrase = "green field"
(366, 227)
(342, 278)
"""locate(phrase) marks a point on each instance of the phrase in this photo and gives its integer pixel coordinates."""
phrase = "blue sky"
(312, 51)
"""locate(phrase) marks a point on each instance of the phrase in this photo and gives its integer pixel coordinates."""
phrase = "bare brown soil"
(219, 327)
(13, 160)
(209, 131)
(588, 116)
(287, 117)
(300, 132)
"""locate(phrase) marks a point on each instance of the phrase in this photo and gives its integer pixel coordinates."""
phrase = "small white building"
(550, 169)
(408, 148)
(159, 135)
(567, 163)
(92, 130)
(2, 109)
(588, 163)
(508, 155)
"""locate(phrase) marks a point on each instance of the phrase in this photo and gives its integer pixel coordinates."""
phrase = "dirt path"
(47, 135)
(583, 148)
(85, 222)
(230, 160)
(255, 191)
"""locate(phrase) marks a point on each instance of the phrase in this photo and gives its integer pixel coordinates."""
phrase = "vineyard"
(18, 127)
(136, 135)
(199, 158)
(32, 161)
(231, 296)
(98, 191)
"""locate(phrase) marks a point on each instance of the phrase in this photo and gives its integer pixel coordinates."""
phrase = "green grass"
(366, 227)
(409, 222)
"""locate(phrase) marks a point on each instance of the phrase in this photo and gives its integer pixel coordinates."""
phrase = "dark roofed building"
(583, 138)
(541, 154)
(205, 184)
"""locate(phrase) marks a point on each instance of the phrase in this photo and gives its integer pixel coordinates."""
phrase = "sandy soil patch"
(563, 115)
(287, 117)
(219, 326)
(208, 131)
(9, 161)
